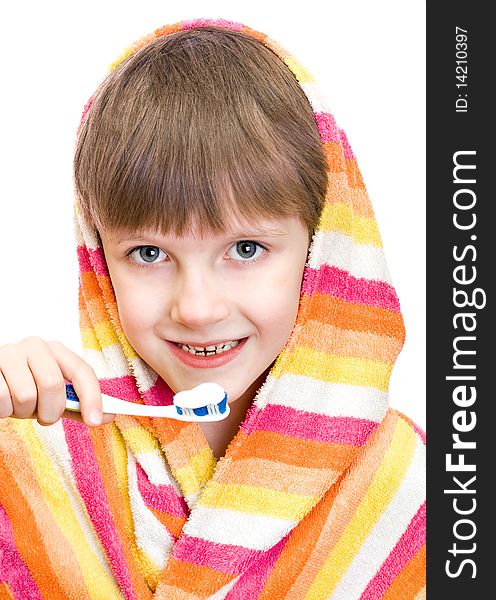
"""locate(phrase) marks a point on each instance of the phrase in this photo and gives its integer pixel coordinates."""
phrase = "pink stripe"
(86, 108)
(98, 261)
(252, 582)
(348, 152)
(190, 23)
(13, 570)
(125, 388)
(221, 557)
(420, 432)
(311, 426)
(327, 127)
(90, 485)
(340, 284)
(408, 545)
(121, 387)
(91, 260)
(84, 259)
(160, 497)
(159, 394)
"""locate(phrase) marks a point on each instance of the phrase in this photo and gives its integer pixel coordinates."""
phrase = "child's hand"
(32, 383)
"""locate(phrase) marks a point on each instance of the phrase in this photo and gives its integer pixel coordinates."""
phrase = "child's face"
(241, 285)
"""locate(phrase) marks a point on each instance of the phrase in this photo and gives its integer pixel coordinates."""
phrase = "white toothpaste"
(201, 395)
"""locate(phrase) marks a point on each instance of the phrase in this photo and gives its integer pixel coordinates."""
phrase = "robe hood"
(324, 396)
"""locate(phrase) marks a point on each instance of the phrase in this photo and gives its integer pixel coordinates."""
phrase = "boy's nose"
(198, 301)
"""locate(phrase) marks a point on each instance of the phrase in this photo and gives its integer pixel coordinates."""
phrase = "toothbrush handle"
(115, 406)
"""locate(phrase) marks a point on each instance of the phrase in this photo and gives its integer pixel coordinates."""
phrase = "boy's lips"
(206, 362)
(207, 344)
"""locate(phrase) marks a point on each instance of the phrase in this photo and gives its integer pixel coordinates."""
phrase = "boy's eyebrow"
(251, 230)
(256, 230)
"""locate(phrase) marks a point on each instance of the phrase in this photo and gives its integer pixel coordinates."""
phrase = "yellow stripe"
(140, 440)
(105, 333)
(196, 472)
(367, 232)
(256, 500)
(145, 563)
(381, 491)
(122, 57)
(339, 217)
(95, 578)
(89, 339)
(336, 369)
(299, 71)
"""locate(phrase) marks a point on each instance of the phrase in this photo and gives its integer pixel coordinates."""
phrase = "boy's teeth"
(209, 350)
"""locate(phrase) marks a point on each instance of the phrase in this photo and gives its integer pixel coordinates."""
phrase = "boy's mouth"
(208, 348)
(202, 357)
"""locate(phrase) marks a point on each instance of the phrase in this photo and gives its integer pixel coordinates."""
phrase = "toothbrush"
(204, 403)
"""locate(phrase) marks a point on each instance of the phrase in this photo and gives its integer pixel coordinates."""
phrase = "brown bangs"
(197, 130)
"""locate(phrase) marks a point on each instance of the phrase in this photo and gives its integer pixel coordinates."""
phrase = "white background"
(368, 58)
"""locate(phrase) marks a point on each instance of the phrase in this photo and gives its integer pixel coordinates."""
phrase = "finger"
(19, 379)
(85, 383)
(6, 408)
(49, 382)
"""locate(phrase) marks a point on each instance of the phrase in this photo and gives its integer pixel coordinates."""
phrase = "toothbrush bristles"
(212, 409)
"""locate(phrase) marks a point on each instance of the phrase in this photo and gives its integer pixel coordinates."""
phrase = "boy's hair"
(195, 131)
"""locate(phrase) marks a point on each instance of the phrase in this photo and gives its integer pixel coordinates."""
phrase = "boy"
(224, 234)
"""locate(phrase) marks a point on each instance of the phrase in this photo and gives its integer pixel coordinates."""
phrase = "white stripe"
(151, 536)
(110, 362)
(53, 441)
(317, 100)
(339, 250)
(145, 375)
(192, 499)
(86, 233)
(156, 469)
(387, 531)
(224, 526)
(331, 399)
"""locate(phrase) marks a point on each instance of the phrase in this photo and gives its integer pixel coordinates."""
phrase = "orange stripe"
(39, 541)
(330, 524)
(179, 441)
(5, 592)
(411, 580)
(304, 453)
(262, 37)
(354, 176)
(357, 344)
(298, 549)
(84, 319)
(101, 439)
(98, 311)
(357, 317)
(167, 30)
(195, 579)
(169, 430)
(90, 286)
(333, 153)
(361, 203)
(290, 479)
(171, 523)
(166, 592)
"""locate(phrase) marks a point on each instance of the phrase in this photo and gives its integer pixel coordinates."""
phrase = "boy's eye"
(147, 254)
(247, 250)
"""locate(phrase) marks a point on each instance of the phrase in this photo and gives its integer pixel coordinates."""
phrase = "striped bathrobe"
(321, 492)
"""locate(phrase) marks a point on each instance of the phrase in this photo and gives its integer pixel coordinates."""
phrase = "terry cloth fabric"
(321, 491)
